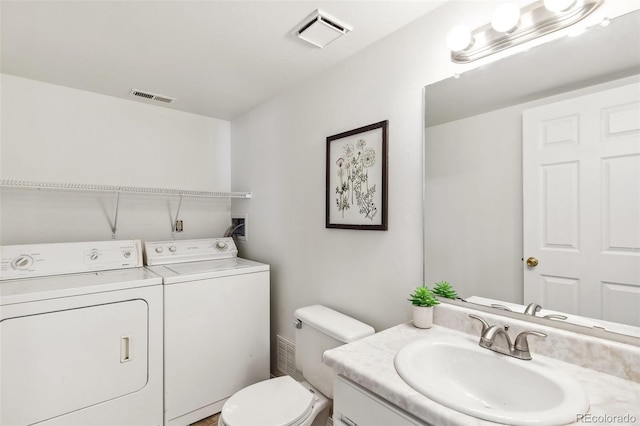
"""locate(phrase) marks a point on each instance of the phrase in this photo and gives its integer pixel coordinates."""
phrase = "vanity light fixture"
(558, 5)
(506, 17)
(459, 38)
(510, 27)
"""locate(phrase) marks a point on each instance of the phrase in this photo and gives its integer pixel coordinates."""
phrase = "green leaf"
(444, 289)
(422, 296)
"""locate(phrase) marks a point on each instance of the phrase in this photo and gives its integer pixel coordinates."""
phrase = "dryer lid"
(276, 402)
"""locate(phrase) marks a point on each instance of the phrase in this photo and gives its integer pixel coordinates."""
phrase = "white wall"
(57, 134)
(278, 152)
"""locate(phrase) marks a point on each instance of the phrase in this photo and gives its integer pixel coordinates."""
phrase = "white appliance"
(81, 333)
(216, 324)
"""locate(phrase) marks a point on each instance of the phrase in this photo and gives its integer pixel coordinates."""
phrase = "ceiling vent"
(152, 96)
(320, 29)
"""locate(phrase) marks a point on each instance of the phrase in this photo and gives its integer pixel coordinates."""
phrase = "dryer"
(216, 324)
(81, 331)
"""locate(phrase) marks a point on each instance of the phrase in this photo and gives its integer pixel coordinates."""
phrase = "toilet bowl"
(304, 405)
(283, 401)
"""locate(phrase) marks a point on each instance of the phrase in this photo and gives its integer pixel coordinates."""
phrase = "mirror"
(473, 166)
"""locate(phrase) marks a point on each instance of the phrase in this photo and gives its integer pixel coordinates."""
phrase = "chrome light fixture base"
(535, 21)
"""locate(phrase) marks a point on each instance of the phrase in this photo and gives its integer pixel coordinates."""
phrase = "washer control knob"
(94, 255)
(159, 250)
(22, 262)
(127, 254)
(172, 249)
(221, 245)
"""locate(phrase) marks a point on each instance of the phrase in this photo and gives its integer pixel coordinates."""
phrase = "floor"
(209, 421)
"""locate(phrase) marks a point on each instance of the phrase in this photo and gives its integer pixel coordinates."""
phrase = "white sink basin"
(461, 375)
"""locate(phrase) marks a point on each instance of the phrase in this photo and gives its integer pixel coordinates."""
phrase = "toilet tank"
(323, 329)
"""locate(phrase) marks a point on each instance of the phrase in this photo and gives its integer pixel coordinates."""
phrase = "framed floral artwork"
(357, 178)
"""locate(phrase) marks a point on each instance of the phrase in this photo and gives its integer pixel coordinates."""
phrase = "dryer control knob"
(172, 249)
(221, 245)
(158, 249)
(22, 262)
(127, 254)
(94, 256)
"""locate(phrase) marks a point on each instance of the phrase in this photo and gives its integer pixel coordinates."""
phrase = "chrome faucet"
(519, 349)
(533, 308)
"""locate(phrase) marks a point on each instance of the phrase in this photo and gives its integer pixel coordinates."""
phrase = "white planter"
(423, 316)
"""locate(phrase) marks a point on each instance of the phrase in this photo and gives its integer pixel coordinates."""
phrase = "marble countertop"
(369, 363)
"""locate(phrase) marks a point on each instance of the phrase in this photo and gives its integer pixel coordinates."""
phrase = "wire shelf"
(30, 184)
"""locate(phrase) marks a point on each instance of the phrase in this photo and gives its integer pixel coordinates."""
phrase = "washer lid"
(207, 269)
(276, 402)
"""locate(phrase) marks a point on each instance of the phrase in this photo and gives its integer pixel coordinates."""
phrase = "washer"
(216, 324)
(81, 331)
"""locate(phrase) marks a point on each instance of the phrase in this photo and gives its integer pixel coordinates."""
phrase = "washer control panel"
(165, 252)
(37, 260)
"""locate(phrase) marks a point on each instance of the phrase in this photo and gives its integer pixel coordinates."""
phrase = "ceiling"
(218, 58)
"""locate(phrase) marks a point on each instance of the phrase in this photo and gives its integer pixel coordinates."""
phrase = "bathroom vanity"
(369, 391)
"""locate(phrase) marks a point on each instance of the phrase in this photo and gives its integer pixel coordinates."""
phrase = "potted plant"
(444, 289)
(423, 302)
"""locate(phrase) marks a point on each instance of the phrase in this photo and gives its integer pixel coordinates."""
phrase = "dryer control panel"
(166, 252)
(39, 260)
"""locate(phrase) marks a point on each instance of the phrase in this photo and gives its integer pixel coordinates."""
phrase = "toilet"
(283, 401)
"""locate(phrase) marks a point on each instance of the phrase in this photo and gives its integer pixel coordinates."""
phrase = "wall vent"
(320, 29)
(286, 353)
(152, 96)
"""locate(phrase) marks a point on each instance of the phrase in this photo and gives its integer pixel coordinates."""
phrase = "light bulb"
(506, 17)
(459, 38)
(558, 5)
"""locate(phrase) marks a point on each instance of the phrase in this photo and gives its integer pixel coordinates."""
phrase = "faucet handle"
(502, 307)
(554, 316)
(521, 345)
(485, 324)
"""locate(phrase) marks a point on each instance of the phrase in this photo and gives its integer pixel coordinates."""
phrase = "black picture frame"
(357, 178)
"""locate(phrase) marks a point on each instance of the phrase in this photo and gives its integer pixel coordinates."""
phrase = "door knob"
(532, 261)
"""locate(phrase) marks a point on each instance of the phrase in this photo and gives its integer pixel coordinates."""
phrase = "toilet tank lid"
(333, 323)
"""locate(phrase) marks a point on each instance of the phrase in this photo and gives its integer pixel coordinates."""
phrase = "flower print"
(348, 150)
(368, 157)
(354, 179)
(340, 164)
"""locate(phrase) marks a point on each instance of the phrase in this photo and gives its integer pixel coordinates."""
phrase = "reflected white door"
(581, 195)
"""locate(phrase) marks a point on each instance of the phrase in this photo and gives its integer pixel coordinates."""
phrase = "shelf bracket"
(175, 220)
(114, 228)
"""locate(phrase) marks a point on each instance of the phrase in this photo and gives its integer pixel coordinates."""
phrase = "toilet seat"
(276, 402)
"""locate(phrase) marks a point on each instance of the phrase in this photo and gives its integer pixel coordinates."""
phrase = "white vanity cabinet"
(353, 405)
